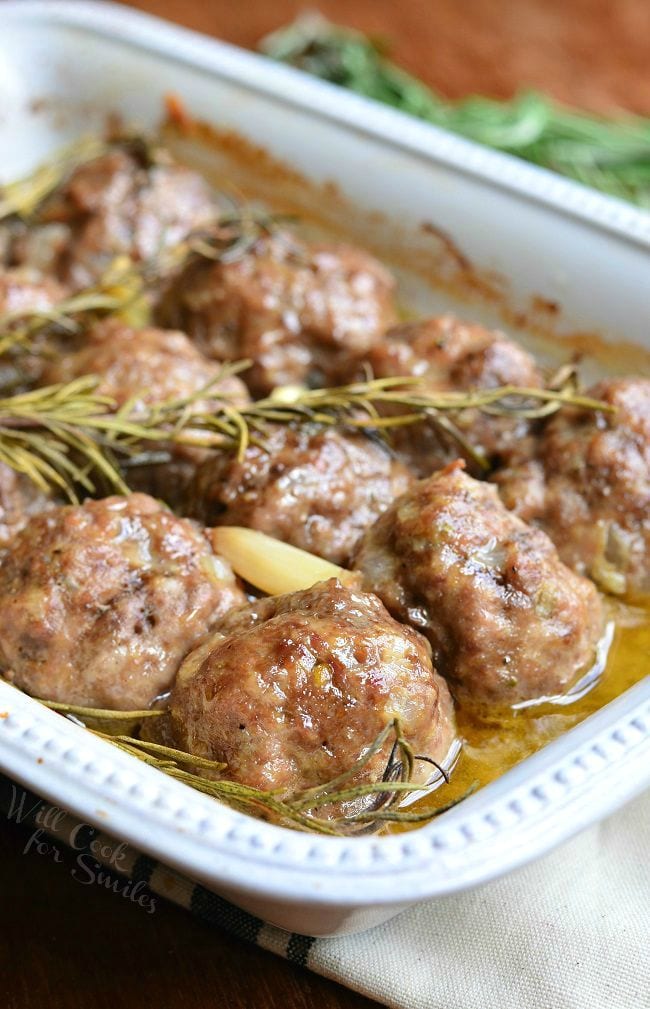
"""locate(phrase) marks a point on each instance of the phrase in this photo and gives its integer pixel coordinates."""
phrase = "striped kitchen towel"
(568, 932)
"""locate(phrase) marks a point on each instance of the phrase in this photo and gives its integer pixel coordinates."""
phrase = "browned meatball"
(316, 488)
(24, 292)
(447, 355)
(301, 313)
(118, 205)
(587, 484)
(507, 621)
(101, 602)
(147, 366)
(19, 500)
(290, 690)
(144, 365)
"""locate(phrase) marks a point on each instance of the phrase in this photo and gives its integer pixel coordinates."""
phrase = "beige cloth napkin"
(571, 931)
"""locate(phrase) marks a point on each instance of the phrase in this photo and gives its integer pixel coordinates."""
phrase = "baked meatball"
(148, 366)
(507, 621)
(302, 313)
(144, 365)
(290, 690)
(317, 488)
(450, 355)
(587, 484)
(19, 500)
(101, 602)
(117, 204)
(24, 292)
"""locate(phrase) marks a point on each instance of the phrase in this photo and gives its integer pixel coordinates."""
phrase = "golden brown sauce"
(494, 744)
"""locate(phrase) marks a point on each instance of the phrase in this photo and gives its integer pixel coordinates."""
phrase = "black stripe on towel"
(299, 948)
(217, 911)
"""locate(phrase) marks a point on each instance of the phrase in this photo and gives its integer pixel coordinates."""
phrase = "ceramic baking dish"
(63, 66)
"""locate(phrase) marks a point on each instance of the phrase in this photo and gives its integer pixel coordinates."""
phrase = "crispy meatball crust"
(448, 354)
(507, 621)
(316, 488)
(301, 313)
(587, 485)
(116, 205)
(290, 690)
(101, 602)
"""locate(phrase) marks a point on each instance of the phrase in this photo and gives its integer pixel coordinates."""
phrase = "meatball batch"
(316, 488)
(116, 204)
(291, 690)
(508, 622)
(101, 602)
(587, 485)
(144, 367)
(450, 355)
(301, 313)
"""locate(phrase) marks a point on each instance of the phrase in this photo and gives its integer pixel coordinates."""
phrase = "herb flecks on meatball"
(101, 602)
(291, 690)
(302, 313)
(587, 485)
(117, 205)
(316, 488)
(508, 622)
(450, 355)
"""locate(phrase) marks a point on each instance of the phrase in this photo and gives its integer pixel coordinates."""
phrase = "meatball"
(26, 292)
(316, 488)
(117, 204)
(19, 500)
(291, 690)
(301, 313)
(449, 355)
(507, 621)
(586, 483)
(148, 366)
(23, 293)
(101, 602)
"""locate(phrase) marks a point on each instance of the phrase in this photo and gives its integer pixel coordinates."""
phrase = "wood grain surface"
(68, 946)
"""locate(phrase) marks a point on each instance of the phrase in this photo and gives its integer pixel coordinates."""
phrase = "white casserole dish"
(548, 236)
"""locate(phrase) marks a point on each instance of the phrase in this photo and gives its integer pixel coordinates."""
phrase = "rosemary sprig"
(60, 434)
(294, 809)
(359, 406)
(57, 436)
(607, 154)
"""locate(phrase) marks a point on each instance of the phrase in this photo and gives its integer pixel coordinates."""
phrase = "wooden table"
(68, 946)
